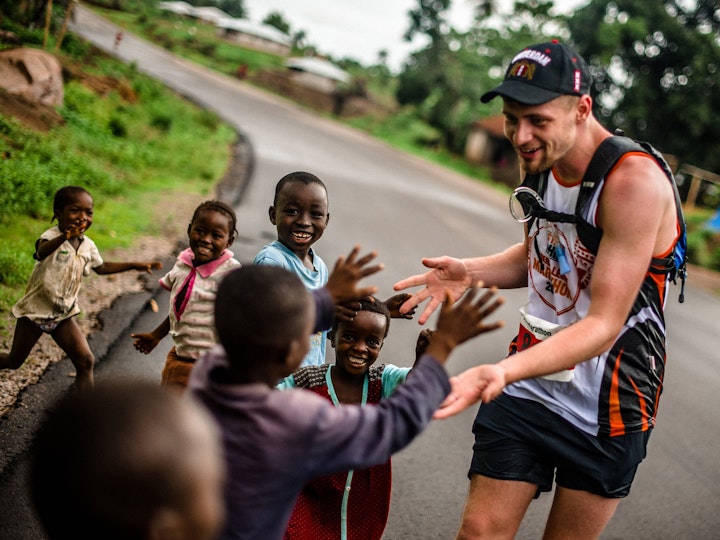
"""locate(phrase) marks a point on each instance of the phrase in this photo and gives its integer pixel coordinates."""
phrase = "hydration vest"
(605, 157)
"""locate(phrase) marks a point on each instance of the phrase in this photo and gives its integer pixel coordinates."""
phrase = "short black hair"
(65, 195)
(374, 305)
(217, 206)
(104, 460)
(301, 177)
(260, 310)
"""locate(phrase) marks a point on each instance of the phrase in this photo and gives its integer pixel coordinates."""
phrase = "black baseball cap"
(540, 73)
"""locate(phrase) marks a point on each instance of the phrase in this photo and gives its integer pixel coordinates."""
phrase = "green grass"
(132, 148)
(194, 40)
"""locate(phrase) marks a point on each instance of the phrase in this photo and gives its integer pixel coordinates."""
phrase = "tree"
(277, 20)
(299, 39)
(657, 71)
(381, 70)
(425, 73)
(428, 18)
(445, 79)
(30, 13)
(234, 8)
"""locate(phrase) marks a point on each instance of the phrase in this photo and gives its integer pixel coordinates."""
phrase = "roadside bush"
(117, 127)
(74, 46)
(207, 49)
(208, 119)
(162, 122)
(714, 244)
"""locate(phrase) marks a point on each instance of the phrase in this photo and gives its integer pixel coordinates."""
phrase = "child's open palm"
(464, 319)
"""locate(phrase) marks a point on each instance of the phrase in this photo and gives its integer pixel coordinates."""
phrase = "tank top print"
(616, 392)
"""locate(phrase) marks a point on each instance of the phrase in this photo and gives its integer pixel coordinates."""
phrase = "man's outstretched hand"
(484, 382)
(463, 319)
(447, 276)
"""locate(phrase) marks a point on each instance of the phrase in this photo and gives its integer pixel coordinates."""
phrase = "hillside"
(133, 221)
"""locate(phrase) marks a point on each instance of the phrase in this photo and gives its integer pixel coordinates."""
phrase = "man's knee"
(494, 508)
(470, 529)
(480, 525)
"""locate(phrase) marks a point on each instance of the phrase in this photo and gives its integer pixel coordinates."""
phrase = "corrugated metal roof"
(181, 8)
(264, 31)
(318, 66)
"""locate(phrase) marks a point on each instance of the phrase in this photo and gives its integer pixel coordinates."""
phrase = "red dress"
(318, 512)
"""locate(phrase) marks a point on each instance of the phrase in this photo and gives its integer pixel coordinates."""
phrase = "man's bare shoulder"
(638, 198)
(636, 174)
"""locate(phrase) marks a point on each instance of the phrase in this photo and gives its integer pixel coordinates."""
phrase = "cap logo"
(532, 55)
(577, 81)
(524, 69)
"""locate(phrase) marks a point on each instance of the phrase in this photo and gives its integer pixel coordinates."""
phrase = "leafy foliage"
(104, 145)
(445, 79)
(657, 71)
(276, 20)
(29, 14)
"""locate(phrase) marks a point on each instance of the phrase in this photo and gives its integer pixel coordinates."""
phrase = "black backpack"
(607, 154)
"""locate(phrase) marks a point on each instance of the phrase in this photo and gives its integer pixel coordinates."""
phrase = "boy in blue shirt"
(300, 214)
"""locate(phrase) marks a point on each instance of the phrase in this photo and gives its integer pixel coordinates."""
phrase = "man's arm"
(505, 270)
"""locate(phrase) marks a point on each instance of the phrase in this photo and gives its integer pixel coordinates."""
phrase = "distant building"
(178, 8)
(317, 73)
(487, 145)
(261, 37)
(210, 14)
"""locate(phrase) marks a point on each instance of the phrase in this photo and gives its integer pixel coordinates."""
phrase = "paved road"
(406, 208)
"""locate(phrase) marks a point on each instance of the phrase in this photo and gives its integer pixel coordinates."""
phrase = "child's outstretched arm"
(146, 342)
(116, 267)
(462, 320)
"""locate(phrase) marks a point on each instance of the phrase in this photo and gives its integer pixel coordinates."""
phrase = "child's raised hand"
(343, 280)
(150, 266)
(463, 319)
(145, 343)
(393, 304)
(347, 311)
(74, 230)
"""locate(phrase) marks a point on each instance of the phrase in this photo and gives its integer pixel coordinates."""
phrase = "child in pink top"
(193, 283)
